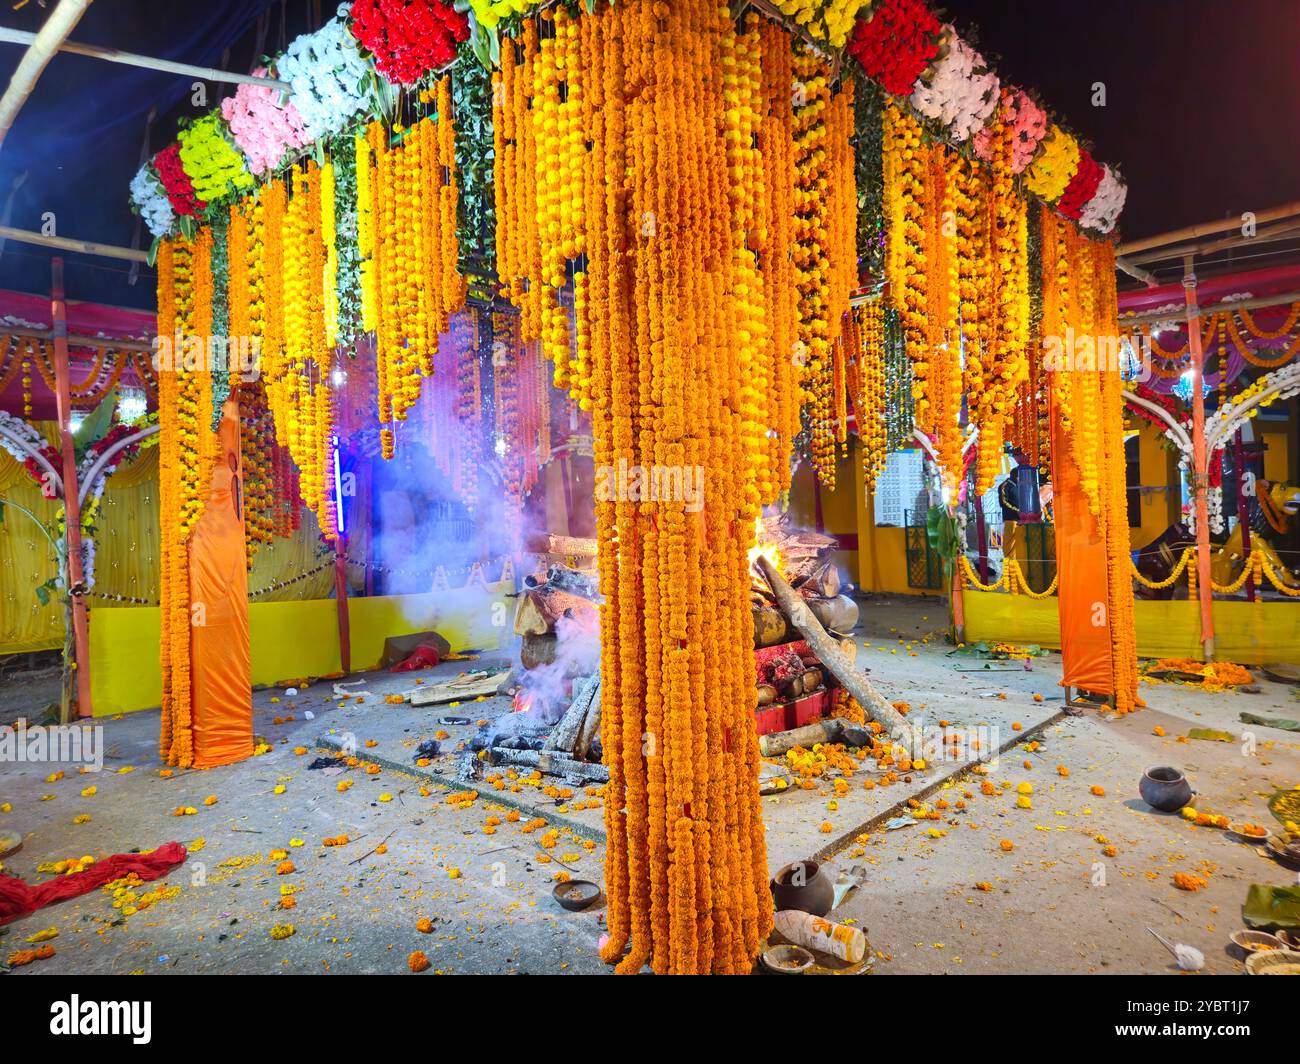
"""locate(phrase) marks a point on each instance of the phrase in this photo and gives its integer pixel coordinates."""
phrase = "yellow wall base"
(1244, 632)
(294, 640)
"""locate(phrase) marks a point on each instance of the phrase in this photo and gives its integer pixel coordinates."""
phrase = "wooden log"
(529, 619)
(551, 763)
(828, 652)
(537, 650)
(564, 735)
(770, 627)
(590, 726)
(541, 607)
(823, 579)
(823, 731)
(838, 614)
(574, 546)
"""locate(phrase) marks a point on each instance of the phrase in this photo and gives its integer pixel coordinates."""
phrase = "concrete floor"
(921, 908)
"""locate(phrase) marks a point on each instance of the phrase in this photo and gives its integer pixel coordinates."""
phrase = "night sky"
(1202, 96)
(1202, 114)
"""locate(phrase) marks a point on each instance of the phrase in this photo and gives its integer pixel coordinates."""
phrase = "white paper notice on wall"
(900, 494)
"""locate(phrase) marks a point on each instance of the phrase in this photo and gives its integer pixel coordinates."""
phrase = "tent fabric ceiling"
(78, 137)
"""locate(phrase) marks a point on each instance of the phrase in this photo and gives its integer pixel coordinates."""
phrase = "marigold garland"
(672, 312)
(409, 252)
(825, 252)
(186, 452)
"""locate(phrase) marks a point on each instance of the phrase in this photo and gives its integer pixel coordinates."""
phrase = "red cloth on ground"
(423, 657)
(19, 899)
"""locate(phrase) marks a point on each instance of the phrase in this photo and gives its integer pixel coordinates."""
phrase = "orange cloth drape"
(1084, 577)
(221, 683)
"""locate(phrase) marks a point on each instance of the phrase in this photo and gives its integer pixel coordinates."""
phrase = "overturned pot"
(805, 886)
(1165, 788)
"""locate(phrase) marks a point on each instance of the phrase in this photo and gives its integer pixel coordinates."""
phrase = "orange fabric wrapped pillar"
(220, 677)
(1083, 571)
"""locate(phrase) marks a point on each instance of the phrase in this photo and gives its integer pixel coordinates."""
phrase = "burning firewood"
(540, 608)
(565, 578)
(575, 547)
(550, 762)
(564, 736)
(828, 651)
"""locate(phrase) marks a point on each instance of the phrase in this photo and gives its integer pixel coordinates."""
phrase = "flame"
(523, 701)
(764, 545)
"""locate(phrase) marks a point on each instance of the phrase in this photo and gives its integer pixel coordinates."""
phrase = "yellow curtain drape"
(27, 560)
(127, 554)
(282, 560)
(127, 544)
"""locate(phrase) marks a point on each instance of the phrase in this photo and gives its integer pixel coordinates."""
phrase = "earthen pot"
(803, 886)
(1165, 788)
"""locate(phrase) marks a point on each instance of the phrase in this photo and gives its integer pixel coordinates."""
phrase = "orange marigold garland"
(825, 255)
(1007, 364)
(867, 384)
(674, 329)
(186, 451)
(411, 285)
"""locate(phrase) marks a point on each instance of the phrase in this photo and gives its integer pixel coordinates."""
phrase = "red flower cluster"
(408, 38)
(36, 471)
(180, 189)
(118, 430)
(1082, 186)
(895, 43)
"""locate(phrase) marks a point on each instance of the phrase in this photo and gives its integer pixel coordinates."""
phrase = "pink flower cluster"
(263, 126)
(1028, 125)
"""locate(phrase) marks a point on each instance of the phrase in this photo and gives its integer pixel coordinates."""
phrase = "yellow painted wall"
(839, 505)
(1276, 439)
(879, 563)
(1245, 632)
(293, 640)
(1157, 467)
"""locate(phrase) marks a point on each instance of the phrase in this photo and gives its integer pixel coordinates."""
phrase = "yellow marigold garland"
(673, 303)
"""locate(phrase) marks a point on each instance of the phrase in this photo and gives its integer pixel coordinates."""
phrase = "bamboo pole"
(63, 243)
(341, 602)
(1279, 300)
(148, 62)
(1196, 232)
(40, 50)
(1200, 463)
(80, 625)
(1136, 272)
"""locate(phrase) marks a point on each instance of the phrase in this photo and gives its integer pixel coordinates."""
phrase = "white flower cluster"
(963, 91)
(1103, 210)
(327, 73)
(150, 199)
(1277, 386)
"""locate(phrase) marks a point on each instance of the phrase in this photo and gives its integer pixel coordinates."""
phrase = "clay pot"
(1165, 788)
(812, 679)
(803, 886)
(766, 694)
